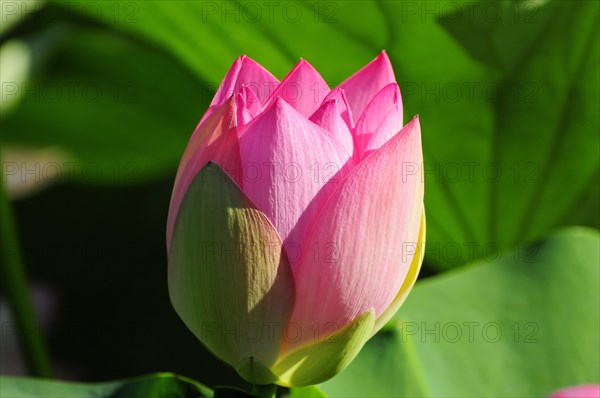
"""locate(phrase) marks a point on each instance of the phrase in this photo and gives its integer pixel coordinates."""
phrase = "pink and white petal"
(215, 140)
(354, 257)
(343, 105)
(328, 118)
(386, 104)
(409, 280)
(389, 127)
(290, 168)
(303, 88)
(364, 84)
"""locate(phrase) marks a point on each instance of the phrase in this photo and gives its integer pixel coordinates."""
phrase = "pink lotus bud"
(582, 391)
(296, 225)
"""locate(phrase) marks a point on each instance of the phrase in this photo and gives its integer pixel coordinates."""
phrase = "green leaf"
(160, 385)
(508, 122)
(307, 392)
(506, 91)
(116, 110)
(276, 34)
(231, 392)
(524, 325)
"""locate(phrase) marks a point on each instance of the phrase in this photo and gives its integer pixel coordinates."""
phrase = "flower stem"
(264, 390)
(14, 286)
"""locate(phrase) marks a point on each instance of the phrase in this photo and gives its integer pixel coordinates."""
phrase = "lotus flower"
(296, 222)
(581, 391)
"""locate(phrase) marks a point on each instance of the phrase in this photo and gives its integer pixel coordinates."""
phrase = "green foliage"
(507, 93)
(525, 324)
(120, 111)
(158, 385)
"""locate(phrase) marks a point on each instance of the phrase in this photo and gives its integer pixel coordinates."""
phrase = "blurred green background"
(100, 98)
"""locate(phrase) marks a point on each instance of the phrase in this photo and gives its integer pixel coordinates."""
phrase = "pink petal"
(248, 105)
(303, 88)
(328, 118)
(290, 168)
(343, 105)
(582, 391)
(245, 71)
(353, 259)
(389, 127)
(381, 119)
(215, 139)
(365, 83)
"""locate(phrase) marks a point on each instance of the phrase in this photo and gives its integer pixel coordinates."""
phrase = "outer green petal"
(229, 278)
(409, 281)
(315, 363)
